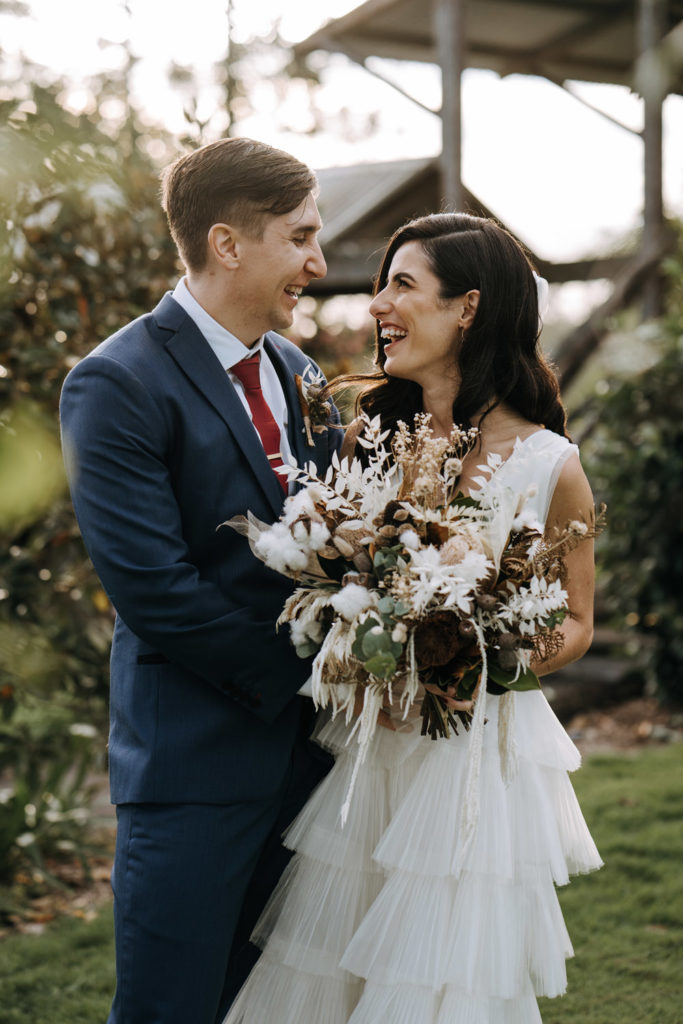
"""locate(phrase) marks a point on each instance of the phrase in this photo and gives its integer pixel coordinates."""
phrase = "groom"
(173, 425)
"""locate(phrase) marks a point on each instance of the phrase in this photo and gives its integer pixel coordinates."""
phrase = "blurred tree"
(83, 249)
(635, 461)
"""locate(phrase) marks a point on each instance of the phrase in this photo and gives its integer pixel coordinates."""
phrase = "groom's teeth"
(294, 292)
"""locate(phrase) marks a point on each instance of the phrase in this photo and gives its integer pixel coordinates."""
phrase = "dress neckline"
(517, 447)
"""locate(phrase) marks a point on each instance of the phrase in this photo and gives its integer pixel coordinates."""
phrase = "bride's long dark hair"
(500, 359)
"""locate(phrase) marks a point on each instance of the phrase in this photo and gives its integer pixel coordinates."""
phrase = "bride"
(390, 918)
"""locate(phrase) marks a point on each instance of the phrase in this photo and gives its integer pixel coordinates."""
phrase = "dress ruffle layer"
(380, 921)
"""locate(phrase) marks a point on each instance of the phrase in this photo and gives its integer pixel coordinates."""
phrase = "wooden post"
(651, 28)
(449, 30)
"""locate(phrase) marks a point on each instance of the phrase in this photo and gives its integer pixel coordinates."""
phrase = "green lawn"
(626, 921)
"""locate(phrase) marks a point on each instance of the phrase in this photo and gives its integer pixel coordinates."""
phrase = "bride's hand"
(448, 697)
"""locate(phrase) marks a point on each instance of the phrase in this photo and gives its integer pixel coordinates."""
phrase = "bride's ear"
(470, 306)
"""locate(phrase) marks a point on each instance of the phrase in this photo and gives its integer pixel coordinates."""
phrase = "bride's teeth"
(393, 332)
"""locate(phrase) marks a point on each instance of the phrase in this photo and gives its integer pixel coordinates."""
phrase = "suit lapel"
(196, 359)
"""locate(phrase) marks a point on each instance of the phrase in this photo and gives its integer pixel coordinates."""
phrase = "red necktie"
(248, 373)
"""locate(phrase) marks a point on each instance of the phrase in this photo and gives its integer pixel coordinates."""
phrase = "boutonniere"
(315, 410)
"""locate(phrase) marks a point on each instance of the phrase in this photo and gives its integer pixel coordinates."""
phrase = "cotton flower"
(409, 539)
(280, 551)
(351, 600)
(305, 629)
(526, 520)
(302, 503)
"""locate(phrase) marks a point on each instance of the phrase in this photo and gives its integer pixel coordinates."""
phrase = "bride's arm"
(572, 499)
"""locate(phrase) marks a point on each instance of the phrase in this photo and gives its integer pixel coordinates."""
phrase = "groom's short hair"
(235, 181)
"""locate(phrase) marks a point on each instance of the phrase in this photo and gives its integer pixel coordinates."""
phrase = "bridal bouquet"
(403, 582)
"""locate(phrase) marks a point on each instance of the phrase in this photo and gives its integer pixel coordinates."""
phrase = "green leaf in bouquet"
(468, 683)
(556, 618)
(463, 501)
(376, 643)
(527, 680)
(386, 605)
(361, 630)
(401, 608)
(307, 650)
(382, 665)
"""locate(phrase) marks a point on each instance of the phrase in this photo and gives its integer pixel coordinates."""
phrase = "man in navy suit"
(208, 750)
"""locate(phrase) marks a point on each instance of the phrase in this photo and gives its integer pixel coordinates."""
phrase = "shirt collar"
(228, 349)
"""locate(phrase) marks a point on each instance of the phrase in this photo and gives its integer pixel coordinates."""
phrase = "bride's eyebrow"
(404, 275)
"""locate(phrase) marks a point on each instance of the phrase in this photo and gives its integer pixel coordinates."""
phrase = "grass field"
(626, 921)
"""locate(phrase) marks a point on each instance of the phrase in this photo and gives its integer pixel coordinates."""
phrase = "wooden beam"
(651, 28)
(449, 29)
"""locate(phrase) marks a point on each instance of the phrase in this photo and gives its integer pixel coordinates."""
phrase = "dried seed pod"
(507, 660)
(388, 531)
(362, 561)
(328, 552)
(487, 602)
(343, 547)
(361, 579)
(466, 628)
(401, 515)
(508, 641)
(390, 510)
(304, 519)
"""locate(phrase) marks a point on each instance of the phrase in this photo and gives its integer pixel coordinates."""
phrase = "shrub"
(636, 465)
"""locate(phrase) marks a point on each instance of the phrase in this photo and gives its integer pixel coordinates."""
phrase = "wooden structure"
(628, 42)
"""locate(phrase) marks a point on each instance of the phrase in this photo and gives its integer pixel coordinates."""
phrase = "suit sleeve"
(116, 438)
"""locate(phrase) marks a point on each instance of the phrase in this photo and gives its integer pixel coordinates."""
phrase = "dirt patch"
(628, 726)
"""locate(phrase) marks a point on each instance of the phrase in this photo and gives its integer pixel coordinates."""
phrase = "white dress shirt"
(229, 350)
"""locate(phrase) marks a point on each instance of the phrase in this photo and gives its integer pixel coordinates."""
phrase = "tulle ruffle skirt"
(397, 917)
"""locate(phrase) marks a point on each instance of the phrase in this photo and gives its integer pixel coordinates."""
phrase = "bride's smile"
(419, 329)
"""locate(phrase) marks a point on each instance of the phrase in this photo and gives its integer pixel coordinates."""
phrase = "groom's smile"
(276, 268)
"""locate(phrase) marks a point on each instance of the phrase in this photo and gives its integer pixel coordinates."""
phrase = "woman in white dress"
(393, 917)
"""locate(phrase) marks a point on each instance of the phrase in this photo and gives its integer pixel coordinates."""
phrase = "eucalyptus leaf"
(376, 643)
(382, 665)
(307, 650)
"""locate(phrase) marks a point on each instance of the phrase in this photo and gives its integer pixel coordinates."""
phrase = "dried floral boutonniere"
(315, 410)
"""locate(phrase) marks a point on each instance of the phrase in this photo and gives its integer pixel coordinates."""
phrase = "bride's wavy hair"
(500, 359)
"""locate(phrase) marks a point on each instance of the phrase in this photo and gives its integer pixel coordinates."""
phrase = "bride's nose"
(379, 304)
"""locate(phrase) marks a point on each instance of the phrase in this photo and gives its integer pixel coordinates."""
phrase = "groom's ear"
(222, 242)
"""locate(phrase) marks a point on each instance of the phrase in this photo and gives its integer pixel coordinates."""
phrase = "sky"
(563, 178)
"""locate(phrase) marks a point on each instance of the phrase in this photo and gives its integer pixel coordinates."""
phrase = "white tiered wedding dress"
(397, 918)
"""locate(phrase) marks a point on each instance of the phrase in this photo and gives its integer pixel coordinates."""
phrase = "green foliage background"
(634, 456)
(83, 249)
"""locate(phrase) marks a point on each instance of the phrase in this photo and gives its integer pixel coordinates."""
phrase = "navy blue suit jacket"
(159, 452)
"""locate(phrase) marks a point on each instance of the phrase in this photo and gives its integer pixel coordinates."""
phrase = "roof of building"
(584, 40)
